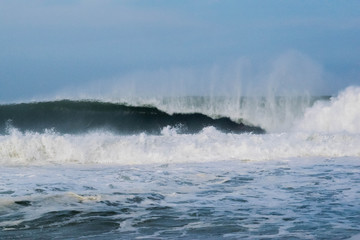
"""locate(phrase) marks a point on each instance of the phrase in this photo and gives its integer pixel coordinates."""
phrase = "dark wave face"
(68, 116)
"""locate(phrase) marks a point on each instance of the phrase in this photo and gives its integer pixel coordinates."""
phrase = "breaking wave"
(76, 117)
(83, 132)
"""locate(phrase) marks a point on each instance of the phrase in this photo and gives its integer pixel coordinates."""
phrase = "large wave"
(330, 128)
(82, 116)
(271, 113)
(275, 114)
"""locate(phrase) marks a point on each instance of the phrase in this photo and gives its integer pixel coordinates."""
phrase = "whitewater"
(285, 167)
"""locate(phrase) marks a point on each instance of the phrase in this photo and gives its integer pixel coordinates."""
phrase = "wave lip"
(66, 116)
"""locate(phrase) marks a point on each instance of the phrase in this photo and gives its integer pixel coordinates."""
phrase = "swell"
(67, 116)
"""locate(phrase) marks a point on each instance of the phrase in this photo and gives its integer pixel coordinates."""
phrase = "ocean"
(195, 167)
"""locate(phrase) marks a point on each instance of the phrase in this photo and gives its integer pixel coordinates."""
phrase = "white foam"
(341, 114)
(207, 146)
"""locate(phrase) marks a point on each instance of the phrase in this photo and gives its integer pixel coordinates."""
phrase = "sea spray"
(272, 113)
(340, 114)
(271, 93)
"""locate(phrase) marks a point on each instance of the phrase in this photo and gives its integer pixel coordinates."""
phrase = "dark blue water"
(78, 117)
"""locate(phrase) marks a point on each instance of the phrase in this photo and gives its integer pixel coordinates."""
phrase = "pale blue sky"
(52, 46)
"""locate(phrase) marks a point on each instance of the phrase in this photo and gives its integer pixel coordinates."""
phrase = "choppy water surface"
(300, 198)
(195, 177)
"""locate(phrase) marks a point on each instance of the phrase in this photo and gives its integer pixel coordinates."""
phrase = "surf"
(170, 142)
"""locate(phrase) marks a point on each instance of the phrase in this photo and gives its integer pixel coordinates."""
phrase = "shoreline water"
(296, 198)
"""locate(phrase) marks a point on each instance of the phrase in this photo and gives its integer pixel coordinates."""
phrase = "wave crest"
(76, 117)
(340, 114)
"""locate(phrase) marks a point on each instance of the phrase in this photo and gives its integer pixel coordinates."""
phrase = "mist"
(289, 74)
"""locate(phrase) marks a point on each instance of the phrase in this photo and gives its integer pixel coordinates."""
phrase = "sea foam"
(207, 146)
